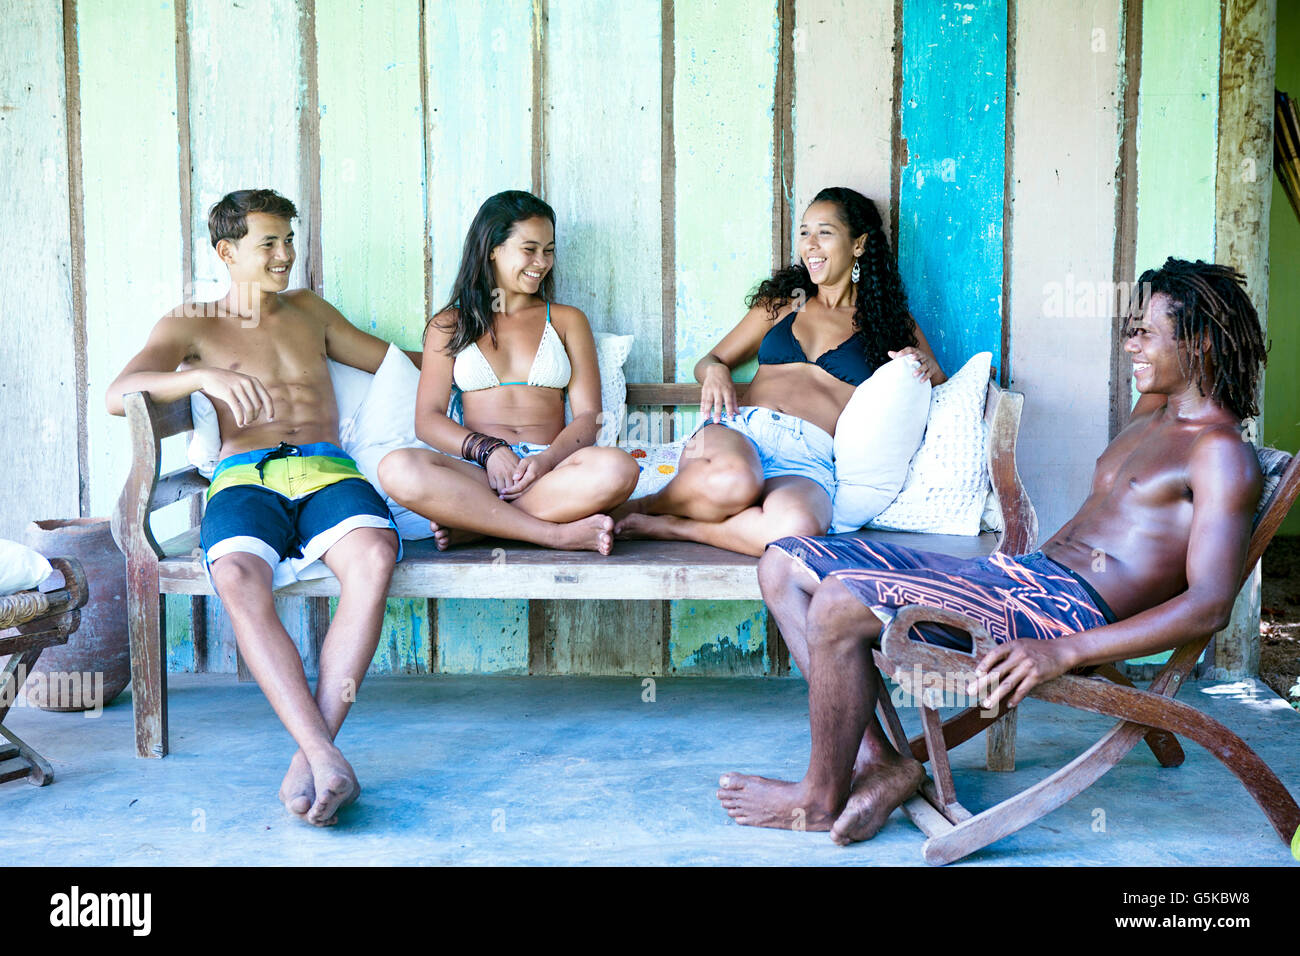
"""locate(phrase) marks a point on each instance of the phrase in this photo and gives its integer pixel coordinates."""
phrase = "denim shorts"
(786, 445)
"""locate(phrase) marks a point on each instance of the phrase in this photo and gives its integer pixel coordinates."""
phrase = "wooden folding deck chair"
(30, 622)
(954, 832)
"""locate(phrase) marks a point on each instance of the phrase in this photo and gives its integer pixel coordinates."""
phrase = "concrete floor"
(502, 770)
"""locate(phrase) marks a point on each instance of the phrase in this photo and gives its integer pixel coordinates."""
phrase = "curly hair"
(1209, 303)
(880, 312)
(471, 295)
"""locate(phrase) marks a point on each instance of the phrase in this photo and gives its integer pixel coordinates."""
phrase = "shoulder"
(308, 302)
(1220, 458)
(442, 326)
(566, 316)
(187, 321)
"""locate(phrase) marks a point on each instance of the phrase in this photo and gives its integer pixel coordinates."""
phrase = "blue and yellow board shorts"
(292, 501)
(1029, 596)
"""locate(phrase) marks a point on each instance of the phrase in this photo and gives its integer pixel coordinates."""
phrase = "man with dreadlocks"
(1151, 559)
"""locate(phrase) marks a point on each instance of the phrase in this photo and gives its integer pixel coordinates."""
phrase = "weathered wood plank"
(725, 65)
(38, 372)
(1064, 156)
(951, 188)
(603, 637)
(373, 206)
(843, 140)
(1243, 193)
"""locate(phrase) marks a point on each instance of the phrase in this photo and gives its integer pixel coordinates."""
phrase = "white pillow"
(876, 436)
(384, 422)
(658, 464)
(350, 388)
(21, 568)
(948, 481)
(611, 352)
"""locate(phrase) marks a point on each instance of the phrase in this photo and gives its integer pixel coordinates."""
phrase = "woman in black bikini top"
(765, 470)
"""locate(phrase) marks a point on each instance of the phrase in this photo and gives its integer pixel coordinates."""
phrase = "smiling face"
(825, 246)
(1161, 362)
(521, 262)
(264, 256)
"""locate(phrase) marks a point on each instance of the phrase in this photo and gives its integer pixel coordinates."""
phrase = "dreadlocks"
(1209, 303)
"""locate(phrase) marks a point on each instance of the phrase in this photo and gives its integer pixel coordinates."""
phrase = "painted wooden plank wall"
(246, 93)
(372, 224)
(1064, 160)
(479, 134)
(951, 186)
(723, 124)
(38, 377)
(842, 124)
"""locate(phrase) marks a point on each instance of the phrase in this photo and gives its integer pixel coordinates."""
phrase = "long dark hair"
(471, 295)
(1209, 303)
(880, 312)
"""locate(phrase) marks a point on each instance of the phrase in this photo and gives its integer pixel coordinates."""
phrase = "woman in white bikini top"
(514, 469)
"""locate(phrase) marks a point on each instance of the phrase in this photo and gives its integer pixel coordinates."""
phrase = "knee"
(836, 618)
(397, 470)
(371, 554)
(776, 571)
(240, 573)
(732, 484)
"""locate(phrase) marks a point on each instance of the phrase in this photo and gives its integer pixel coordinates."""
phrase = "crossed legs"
(855, 778)
(562, 509)
(719, 497)
(320, 780)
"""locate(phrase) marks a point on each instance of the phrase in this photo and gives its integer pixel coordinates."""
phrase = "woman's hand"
(501, 467)
(923, 369)
(718, 393)
(525, 473)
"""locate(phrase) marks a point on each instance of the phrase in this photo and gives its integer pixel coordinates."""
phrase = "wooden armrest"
(902, 652)
(1002, 411)
(144, 492)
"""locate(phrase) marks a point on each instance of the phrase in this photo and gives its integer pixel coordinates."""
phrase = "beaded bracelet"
(478, 448)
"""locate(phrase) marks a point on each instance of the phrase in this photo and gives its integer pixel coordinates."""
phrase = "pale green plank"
(482, 637)
(372, 207)
(132, 210)
(723, 94)
(37, 371)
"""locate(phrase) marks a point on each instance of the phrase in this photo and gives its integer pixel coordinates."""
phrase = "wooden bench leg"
(148, 660)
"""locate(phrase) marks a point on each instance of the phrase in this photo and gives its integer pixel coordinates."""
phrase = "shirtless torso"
(267, 376)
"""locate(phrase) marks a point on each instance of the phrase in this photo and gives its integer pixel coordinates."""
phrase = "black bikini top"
(846, 361)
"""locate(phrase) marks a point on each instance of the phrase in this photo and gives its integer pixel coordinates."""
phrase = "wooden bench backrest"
(146, 491)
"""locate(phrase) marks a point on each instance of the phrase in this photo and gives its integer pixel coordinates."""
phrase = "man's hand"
(528, 471)
(1012, 669)
(245, 395)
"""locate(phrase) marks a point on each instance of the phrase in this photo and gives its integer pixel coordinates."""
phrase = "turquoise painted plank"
(724, 87)
(372, 208)
(482, 637)
(953, 113)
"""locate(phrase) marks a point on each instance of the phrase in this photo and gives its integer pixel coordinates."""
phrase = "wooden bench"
(637, 570)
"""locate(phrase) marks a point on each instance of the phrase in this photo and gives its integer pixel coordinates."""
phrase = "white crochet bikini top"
(551, 369)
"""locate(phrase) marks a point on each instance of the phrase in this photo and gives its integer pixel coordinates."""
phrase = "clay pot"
(100, 645)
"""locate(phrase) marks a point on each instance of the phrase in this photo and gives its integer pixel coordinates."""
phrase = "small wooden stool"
(30, 622)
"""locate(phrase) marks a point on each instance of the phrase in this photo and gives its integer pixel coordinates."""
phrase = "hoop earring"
(857, 272)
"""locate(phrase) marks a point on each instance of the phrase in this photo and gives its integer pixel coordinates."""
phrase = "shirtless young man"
(1160, 540)
(283, 487)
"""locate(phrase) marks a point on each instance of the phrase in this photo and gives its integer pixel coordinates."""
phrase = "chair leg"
(148, 660)
(38, 771)
(1164, 745)
(1000, 743)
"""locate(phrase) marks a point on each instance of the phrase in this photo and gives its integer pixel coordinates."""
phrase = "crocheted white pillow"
(948, 481)
(611, 352)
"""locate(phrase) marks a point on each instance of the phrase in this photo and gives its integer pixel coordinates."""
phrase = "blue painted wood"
(953, 114)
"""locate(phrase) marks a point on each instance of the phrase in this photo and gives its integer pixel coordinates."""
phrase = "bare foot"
(336, 786)
(298, 790)
(446, 538)
(588, 534)
(763, 802)
(873, 797)
(638, 525)
(628, 508)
